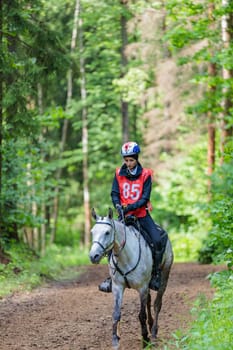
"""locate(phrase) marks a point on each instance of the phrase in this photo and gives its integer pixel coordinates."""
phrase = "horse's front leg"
(116, 316)
(142, 315)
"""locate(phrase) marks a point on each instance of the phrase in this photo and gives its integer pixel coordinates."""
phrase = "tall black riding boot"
(155, 281)
(106, 285)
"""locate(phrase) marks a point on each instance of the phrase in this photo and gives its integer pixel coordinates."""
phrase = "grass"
(27, 271)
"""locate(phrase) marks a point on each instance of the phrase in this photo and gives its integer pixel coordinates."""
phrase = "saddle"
(131, 220)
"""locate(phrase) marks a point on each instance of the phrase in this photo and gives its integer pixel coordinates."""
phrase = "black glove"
(119, 209)
(127, 208)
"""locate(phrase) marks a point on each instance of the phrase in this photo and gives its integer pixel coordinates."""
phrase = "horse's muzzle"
(95, 258)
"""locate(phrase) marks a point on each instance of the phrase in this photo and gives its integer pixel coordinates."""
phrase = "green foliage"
(213, 327)
(27, 270)
(31, 52)
(36, 57)
(68, 231)
(186, 245)
(219, 242)
(181, 195)
(189, 24)
(25, 183)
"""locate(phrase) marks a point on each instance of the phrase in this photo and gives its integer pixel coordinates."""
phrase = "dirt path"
(74, 315)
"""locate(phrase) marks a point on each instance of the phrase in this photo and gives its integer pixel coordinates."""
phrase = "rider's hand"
(119, 209)
(127, 208)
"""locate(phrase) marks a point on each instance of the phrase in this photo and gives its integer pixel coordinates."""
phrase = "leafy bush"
(213, 327)
(179, 201)
(218, 246)
(185, 246)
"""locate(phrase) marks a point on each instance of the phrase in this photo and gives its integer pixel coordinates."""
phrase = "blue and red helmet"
(130, 149)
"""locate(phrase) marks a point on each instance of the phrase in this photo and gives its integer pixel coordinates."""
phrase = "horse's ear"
(110, 213)
(93, 214)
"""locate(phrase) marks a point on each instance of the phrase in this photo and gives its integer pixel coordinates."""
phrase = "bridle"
(108, 247)
(122, 245)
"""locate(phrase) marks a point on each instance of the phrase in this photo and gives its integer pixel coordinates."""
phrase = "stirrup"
(106, 285)
(155, 281)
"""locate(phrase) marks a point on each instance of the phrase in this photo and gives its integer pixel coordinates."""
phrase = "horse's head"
(102, 236)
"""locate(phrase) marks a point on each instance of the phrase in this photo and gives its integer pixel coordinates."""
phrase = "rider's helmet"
(130, 149)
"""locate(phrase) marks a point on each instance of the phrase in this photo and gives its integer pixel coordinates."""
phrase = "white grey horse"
(130, 266)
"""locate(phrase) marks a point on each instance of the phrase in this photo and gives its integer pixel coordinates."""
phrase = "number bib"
(131, 191)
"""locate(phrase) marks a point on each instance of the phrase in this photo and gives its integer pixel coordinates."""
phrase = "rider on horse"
(131, 190)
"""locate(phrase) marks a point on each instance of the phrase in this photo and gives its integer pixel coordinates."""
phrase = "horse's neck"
(126, 242)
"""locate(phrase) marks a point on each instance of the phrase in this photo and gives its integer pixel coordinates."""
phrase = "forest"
(78, 78)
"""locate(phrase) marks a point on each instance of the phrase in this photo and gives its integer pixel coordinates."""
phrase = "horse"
(130, 266)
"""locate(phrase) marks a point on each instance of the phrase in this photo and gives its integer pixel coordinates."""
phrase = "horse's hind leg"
(158, 302)
(143, 317)
(149, 314)
(157, 308)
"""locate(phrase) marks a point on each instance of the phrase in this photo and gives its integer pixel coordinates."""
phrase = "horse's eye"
(107, 233)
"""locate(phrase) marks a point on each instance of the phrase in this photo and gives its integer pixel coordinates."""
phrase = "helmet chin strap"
(133, 171)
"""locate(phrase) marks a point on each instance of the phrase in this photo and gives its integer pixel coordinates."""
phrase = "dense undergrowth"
(26, 270)
(213, 327)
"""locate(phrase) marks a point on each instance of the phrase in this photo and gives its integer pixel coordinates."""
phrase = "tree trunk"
(211, 147)
(124, 62)
(86, 196)
(211, 119)
(10, 205)
(1, 116)
(66, 121)
(42, 234)
(211, 129)
(227, 104)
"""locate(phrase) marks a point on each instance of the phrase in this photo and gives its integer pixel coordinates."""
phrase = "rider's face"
(130, 162)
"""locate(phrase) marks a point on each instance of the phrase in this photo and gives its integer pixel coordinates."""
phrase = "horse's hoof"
(115, 342)
(145, 342)
(116, 347)
(154, 333)
(153, 341)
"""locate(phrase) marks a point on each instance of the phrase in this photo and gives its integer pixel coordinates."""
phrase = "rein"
(122, 245)
(124, 274)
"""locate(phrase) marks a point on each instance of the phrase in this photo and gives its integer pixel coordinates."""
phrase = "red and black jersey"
(132, 190)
